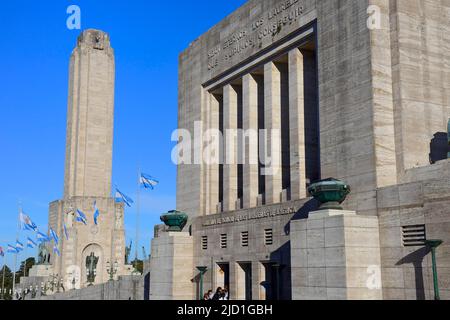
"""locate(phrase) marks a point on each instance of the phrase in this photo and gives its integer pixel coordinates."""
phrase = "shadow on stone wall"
(302, 213)
(281, 290)
(439, 147)
(416, 259)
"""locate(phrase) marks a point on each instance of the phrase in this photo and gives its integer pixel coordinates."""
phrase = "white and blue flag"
(54, 236)
(19, 246)
(42, 238)
(81, 217)
(12, 249)
(120, 197)
(96, 213)
(148, 182)
(27, 223)
(66, 233)
(31, 244)
(56, 250)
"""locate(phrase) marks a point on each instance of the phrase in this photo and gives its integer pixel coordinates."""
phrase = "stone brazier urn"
(175, 220)
(331, 193)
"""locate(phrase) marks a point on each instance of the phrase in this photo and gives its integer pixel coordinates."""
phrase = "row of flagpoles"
(26, 224)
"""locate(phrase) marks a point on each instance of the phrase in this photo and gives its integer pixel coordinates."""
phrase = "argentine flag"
(96, 213)
(56, 250)
(120, 197)
(81, 217)
(42, 238)
(19, 246)
(31, 244)
(148, 182)
(54, 236)
(65, 232)
(26, 223)
(12, 249)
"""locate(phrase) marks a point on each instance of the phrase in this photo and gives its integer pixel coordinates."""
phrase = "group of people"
(221, 294)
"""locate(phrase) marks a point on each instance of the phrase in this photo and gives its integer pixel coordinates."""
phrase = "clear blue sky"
(35, 48)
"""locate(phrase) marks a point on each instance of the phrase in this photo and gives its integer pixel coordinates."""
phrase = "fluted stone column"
(259, 277)
(214, 171)
(272, 120)
(213, 167)
(239, 282)
(297, 124)
(230, 168)
(250, 126)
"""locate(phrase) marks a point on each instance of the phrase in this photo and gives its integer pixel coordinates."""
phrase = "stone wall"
(171, 266)
(424, 200)
(126, 288)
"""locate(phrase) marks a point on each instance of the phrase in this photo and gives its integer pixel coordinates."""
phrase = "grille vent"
(414, 236)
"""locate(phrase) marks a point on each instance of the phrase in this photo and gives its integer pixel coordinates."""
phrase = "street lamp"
(112, 270)
(202, 273)
(433, 244)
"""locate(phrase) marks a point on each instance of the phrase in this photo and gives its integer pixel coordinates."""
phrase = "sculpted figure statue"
(44, 255)
(127, 253)
(70, 216)
(70, 212)
(119, 221)
(91, 267)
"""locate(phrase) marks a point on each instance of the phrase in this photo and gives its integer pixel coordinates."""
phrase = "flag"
(42, 238)
(12, 249)
(56, 250)
(81, 217)
(26, 223)
(54, 236)
(31, 244)
(120, 197)
(65, 232)
(19, 246)
(2, 253)
(148, 181)
(96, 213)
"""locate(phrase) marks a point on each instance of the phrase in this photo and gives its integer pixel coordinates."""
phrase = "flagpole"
(3, 281)
(138, 207)
(15, 255)
(25, 265)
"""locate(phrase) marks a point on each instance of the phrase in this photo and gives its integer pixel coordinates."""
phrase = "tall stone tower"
(88, 169)
(90, 117)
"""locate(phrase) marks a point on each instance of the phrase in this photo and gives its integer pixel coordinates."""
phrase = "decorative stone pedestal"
(41, 270)
(335, 255)
(172, 267)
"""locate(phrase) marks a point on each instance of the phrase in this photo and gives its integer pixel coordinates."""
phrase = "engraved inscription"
(268, 25)
(253, 216)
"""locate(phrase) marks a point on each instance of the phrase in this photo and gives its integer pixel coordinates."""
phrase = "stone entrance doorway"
(244, 281)
(223, 275)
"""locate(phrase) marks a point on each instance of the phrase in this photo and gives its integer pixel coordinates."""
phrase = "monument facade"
(358, 91)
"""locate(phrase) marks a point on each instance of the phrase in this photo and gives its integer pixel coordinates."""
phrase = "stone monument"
(88, 171)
